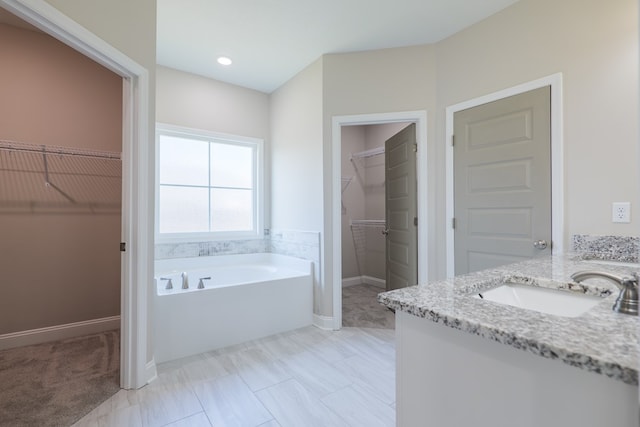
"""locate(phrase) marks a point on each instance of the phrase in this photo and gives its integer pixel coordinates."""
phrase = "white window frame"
(258, 197)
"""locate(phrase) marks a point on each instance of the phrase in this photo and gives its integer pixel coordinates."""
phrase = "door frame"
(136, 264)
(557, 159)
(420, 119)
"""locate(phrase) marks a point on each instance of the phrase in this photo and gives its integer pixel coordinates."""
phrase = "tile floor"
(360, 308)
(308, 377)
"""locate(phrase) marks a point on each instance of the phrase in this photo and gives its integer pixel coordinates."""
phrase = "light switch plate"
(621, 212)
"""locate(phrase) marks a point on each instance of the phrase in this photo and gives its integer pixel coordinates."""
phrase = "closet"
(363, 203)
(60, 189)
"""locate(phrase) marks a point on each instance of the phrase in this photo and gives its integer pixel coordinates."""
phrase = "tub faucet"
(185, 280)
(627, 302)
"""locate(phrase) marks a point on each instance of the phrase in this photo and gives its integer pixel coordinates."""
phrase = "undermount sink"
(545, 300)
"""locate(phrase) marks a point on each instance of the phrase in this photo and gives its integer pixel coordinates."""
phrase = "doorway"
(419, 118)
(136, 259)
(554, 82)
(368, 255)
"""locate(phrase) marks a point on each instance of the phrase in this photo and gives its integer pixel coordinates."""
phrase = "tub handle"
(169, 284)
(201, 283)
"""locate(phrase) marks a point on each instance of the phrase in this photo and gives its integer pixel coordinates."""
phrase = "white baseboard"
(369, 280)
(374, 281)
(351, 281)
(151, 373)
(323, 322)
(58, 332)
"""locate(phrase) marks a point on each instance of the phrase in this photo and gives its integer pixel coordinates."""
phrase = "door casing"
(420, 119)
(557, 162)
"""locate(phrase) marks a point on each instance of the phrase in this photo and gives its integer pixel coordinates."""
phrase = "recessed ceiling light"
(223, 60)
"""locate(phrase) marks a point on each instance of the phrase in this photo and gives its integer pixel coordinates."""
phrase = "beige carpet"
(360, 308)
(57, 383)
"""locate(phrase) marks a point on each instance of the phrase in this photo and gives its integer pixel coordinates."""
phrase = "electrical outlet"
(621, 212)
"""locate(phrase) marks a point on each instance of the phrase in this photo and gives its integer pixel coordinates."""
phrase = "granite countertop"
(599, 341)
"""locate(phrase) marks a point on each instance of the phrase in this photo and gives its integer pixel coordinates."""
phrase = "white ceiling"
(272, 40)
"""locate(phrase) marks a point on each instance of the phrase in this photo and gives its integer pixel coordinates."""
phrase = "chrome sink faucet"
(627, 302)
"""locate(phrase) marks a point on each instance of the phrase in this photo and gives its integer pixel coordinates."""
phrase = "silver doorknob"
(540, 244)
(385, 231)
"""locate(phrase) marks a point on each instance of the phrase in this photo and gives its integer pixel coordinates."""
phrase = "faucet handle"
(169, 284)
(627, 301)
(201, 283)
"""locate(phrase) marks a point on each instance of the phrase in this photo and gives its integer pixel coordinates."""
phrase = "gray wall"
(296, 159)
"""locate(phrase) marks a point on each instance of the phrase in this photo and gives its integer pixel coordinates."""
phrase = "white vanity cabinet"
(451, 378)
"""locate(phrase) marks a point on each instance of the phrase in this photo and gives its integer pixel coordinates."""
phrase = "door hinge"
(415, 221)
(123, 246)
(415, 148)
(453, 223)
(453, 140)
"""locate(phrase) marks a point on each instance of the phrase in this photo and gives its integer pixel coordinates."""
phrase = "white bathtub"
(248, 297)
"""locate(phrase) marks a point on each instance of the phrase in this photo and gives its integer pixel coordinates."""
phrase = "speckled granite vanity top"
(599, 340)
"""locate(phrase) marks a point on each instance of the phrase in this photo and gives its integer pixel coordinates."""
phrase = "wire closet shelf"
(367, 153)
(51, 179)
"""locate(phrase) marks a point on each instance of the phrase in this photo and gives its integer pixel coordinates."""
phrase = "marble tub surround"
(599, 341)
(212, 248)
(305, 245)
(300, 244)
(607, 248)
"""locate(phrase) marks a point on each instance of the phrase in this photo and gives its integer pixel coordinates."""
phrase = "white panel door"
(502, 181)
(401, 209)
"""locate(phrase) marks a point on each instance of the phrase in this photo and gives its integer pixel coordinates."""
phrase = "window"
(208, 185)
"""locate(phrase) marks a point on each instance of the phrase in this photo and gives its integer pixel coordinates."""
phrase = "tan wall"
(65, 267)
(54, 96)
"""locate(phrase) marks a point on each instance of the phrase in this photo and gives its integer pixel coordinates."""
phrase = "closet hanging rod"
(51, 149)
(368, 153)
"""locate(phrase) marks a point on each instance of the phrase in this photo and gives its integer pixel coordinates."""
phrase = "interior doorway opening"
(365, 249)
(342, 221)
(136, 262)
